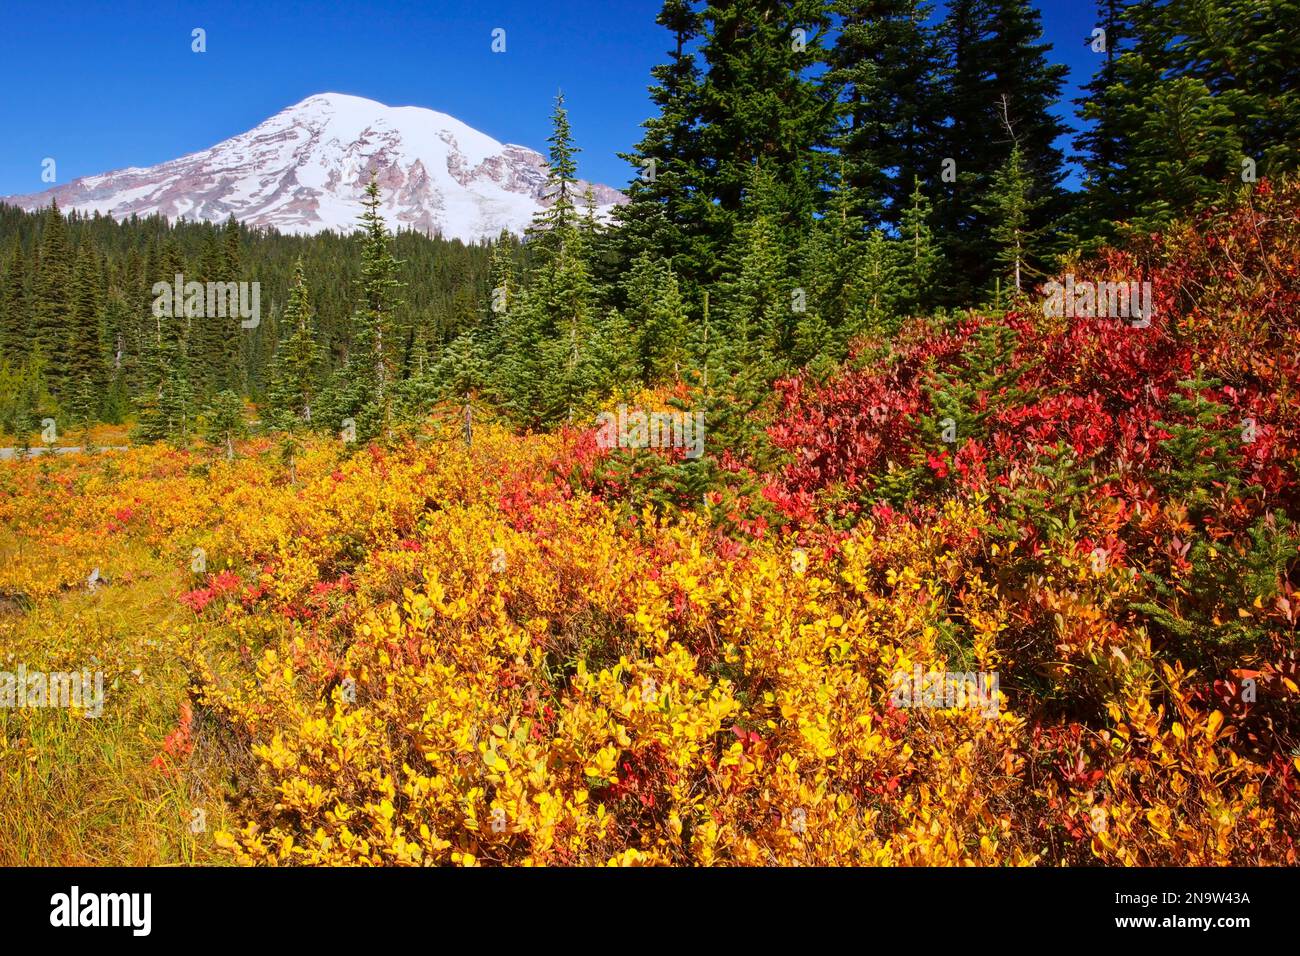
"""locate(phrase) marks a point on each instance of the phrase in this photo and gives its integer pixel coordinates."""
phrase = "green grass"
(76, 790)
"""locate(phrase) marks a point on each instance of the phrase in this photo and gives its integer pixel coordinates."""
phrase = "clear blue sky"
(102, 85)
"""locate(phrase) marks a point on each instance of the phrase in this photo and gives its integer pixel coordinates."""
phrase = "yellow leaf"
(1212, 728)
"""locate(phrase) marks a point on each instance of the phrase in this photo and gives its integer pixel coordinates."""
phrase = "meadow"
(535, 649)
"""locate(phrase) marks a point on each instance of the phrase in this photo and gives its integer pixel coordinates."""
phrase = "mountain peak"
(305, 168)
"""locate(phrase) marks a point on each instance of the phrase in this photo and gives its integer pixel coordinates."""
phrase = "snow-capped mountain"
(304, 170)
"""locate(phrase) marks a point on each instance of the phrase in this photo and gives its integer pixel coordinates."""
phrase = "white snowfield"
(304, 170)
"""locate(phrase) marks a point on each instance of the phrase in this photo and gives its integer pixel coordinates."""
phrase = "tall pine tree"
(297, 361)
(53, 298)
(15, 317)
(664, 212)
(885, 66)
(84, 361)
(759, 102)
(1000, 88)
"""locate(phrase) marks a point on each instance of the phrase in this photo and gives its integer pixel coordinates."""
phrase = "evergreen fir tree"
(297, 361)
(83, 360)
(21, 400)
(170, 417)
(503, 289)
(831, 257)
(166, 407)
(919, 253)
(1000, 88)
(128, 319)
(1102, 141)
(53, 298)
(370, 370)
(563, 292)
(885, 67)
(963, 397)
(664, 210)
(212, 334)
(1009, 206)
(1195, 94)
(560, 212)
(461, 371)
(760, 305)
(15, 317)
(656, 320)
(120, 353)
(225, 421)
(878, 282)
(232, 360)
(1202, 448)
(516, 377)
(613, 356)
(547, 372)
(759, 102)
(664, 346)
